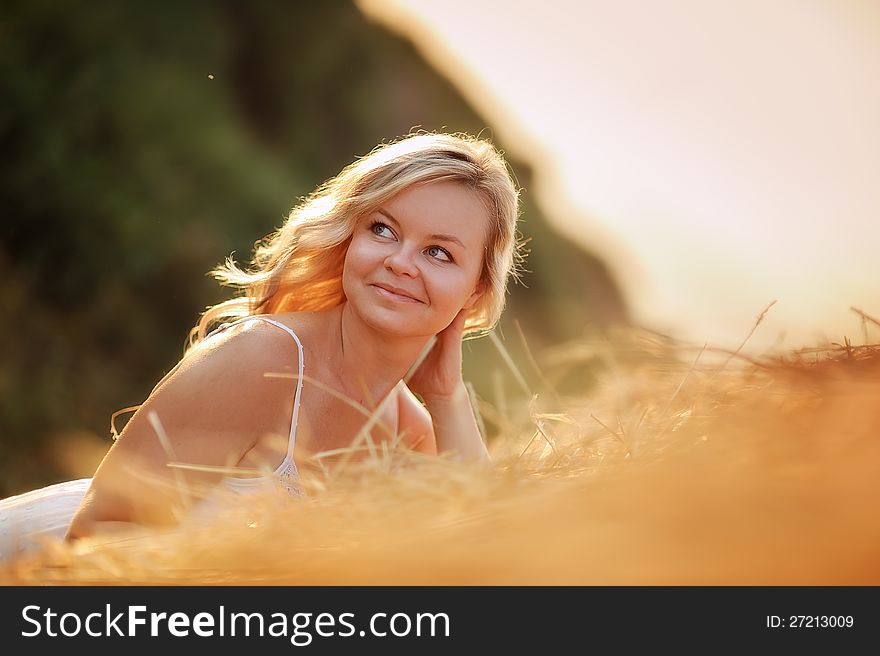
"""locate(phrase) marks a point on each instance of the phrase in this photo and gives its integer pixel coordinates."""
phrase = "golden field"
(679, 466)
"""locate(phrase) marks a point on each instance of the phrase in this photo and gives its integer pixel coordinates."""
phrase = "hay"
(683, 466)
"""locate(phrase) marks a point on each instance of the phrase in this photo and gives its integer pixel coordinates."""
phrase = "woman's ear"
(479, 290)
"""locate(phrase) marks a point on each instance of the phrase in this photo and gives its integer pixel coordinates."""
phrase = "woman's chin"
(397, 319)
(397, 325)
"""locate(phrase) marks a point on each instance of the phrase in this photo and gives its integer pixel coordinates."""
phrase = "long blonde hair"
(298, 268)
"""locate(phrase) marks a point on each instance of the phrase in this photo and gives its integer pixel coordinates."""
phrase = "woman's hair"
(298, 267)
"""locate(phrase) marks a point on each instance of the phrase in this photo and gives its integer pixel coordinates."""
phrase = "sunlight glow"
(716, 155)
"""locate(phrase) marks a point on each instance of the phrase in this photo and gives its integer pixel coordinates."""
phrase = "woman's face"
(413, 264)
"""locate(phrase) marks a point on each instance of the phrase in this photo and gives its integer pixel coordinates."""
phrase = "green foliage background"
(128, 173)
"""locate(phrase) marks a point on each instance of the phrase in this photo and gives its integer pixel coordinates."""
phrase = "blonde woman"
(411, 244)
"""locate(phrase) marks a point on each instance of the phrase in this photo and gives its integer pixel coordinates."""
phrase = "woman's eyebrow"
(451, 238)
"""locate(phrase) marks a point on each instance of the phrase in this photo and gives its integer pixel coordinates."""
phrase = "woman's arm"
(212, 409)
(455, 426)
(438, 380)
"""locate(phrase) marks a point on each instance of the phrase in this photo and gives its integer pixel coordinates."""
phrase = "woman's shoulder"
(410, 405)
(414, 421)
(239, 353)
(258, 336)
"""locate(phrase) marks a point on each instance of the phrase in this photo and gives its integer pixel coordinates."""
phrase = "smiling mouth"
(400, 298)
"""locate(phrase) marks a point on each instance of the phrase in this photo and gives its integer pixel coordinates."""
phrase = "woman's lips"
(387, 293)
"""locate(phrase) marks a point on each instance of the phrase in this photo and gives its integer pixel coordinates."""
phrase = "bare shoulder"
(414, 421)
(250, 348)
(205, 415)
(246, 374)
(224, 395)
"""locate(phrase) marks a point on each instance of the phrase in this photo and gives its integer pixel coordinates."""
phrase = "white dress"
(28, 521)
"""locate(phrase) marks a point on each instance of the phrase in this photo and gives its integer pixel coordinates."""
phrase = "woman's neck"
(367, 363)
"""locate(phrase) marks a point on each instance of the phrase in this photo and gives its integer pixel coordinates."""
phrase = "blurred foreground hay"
(686, 466)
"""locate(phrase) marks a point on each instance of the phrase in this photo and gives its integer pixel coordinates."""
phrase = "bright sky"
(718, 155)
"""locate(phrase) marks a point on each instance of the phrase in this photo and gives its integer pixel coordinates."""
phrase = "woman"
(413, 242)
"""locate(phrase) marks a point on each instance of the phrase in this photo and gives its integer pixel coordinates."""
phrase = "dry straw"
(684, 465)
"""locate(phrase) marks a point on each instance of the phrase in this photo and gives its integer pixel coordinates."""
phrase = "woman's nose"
(401, 262)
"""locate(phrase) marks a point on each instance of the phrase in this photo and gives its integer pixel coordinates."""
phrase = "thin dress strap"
(299, 385)
(288, 463)
(286, 473)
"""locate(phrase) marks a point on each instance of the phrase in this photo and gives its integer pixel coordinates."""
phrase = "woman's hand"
(439, 382)
(439, 374)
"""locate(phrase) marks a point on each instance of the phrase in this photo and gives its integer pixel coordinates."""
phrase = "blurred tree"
(144, 142)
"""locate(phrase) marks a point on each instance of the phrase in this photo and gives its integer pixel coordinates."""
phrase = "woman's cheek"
(362, 256)
(449, 292)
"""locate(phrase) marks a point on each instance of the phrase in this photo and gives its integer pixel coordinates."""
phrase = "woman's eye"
(439, 253)
(380, 228)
